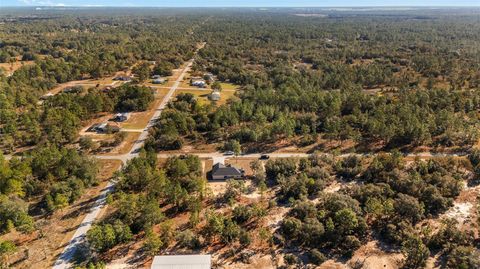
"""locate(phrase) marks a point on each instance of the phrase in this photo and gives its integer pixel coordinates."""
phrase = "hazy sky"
(248, 3)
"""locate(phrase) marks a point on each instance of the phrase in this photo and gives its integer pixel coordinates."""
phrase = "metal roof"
(181, 262)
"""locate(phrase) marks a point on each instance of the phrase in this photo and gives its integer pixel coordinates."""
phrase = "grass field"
(202, 95)
(228, 86)
(126, 145)
(139, 120)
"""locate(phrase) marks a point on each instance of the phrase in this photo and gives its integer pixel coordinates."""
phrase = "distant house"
(158, 81)
(105, 128)
(209, 76)
(120, 117)
(123, 78)
(215, 96)
(221, 172)
(182, 262)
(198, 82)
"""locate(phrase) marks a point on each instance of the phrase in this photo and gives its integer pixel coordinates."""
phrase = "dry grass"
(228, 86)
(243, 163)
(12, 67)
(139, 120)
(125, 146)
(201, 95)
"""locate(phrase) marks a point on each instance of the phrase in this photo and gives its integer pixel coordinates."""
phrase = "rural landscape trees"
(377, 109)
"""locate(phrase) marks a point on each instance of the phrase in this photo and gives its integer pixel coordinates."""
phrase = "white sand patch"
(217, 187)
(273, 221)
(460, 212)
(336, 185)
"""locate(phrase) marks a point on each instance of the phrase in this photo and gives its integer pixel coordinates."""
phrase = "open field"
(200, 95)
(125, 146)
(139, 120)
(9, 68)
(203, 94)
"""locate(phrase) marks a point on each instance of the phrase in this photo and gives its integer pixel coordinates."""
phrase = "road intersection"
(65, 258)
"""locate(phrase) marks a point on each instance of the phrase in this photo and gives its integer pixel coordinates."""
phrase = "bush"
(153, 243)
(13, 212)
(188, 239)
(316, 257)
(103, 237)
(245, 238)
(291, 259)
(416, 253)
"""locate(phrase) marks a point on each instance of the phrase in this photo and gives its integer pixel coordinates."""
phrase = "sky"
(239, 3)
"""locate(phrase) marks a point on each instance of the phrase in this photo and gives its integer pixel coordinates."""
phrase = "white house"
(215, 96)
(198, 82)
(158, 81)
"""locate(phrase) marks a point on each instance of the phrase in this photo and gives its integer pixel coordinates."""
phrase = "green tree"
(416, 253)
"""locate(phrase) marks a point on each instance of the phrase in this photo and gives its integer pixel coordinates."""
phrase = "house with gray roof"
(222, 172)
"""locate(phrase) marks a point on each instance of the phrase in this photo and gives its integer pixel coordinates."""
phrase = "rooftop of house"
(182, 262)
(220, 169)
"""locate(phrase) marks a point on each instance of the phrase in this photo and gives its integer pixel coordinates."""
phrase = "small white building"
(120, 117)
(182, 262)
(215, 96)
(158, 81)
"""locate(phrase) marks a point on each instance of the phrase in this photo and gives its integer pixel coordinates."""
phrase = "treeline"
(438, 118)
(302, 84)
(183, 117)
(56, 176)
(61, 115)
(67, 48)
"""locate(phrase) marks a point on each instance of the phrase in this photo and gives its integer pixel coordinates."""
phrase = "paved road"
(216, 154)
(220, 155)
(78, 238)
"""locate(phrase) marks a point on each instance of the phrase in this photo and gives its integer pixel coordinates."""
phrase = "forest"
(365, 80)
(358, 92)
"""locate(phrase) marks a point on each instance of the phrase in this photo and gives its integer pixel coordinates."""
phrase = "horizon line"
(336, 6)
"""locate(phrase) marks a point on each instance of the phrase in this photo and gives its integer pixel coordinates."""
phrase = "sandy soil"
(9, 68)
(373, 257)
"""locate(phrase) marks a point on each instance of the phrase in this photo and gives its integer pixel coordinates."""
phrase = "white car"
(229, 153)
